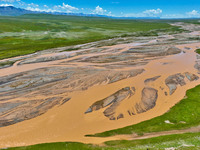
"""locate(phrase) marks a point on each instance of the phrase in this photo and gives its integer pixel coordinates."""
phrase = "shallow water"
(69, 122)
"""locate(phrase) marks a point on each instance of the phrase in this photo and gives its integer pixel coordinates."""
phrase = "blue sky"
(119, 8)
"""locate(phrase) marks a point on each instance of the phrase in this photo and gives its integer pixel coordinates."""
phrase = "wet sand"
(69, 122)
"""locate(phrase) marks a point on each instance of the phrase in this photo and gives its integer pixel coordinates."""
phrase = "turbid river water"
(69, 122)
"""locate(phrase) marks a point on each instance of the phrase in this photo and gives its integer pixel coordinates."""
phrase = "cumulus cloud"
(146, 13)
(40, 10)
(21, 3)
(33, 9)
(33, 5)
(193, 13)
(174, 16)
(57, 8)
(5, 5)
(9, 1)
(66, 7)
(110, 13)
(69, 7)
(153, 12)
(44, 8)
(99, 10)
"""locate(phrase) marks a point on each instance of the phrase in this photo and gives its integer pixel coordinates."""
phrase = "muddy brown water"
(70, 123)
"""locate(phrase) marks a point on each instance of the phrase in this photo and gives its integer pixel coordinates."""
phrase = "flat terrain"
(124, 92)
(30, 33)
(189, 141)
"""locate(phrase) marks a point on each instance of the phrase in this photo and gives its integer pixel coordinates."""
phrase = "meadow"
(31, 33)
(187, 141)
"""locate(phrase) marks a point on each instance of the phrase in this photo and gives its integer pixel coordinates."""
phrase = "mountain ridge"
(13, 11)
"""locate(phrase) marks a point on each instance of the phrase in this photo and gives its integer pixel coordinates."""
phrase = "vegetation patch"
(198, 51)
(6, 64)
(31, 33)
(187, 141)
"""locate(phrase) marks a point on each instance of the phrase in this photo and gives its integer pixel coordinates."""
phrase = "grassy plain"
(198, 51)
(31, 33)
(187, 141)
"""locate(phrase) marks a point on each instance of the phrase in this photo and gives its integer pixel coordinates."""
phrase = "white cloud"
(58, 8)
(33, 5)
(193, 13)
(5, 5)
(9, 1)
(99, 10)
(146, 13)
(69, 7)
(174, 16)
(110, 13)
(33, 9)
(40, 10)
(66, 7)
(21, 3)
(153, 12)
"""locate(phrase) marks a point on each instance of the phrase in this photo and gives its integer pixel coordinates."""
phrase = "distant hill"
(75, 14)
(13, 11)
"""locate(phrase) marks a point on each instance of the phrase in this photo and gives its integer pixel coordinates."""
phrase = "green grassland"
(198, 51)
(187, 141)
(31, 33)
